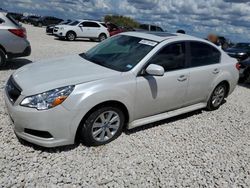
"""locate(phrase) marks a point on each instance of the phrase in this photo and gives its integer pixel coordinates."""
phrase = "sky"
(229, 18)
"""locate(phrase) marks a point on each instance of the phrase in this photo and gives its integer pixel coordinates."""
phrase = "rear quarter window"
(202, 54)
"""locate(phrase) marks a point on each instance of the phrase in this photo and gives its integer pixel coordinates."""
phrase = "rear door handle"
(182, 78)
(216, 71)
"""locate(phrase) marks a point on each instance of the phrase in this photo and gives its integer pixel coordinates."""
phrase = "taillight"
(18, 32)
(237, 66)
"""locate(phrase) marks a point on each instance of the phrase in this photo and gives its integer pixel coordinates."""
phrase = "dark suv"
(29, 19)
(47, 20)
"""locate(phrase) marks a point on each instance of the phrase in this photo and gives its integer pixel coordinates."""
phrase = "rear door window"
(90, 24)
(202, 54)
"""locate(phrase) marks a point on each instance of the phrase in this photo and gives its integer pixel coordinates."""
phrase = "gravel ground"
(199, 149)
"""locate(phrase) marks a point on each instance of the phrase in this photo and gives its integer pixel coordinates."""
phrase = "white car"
(82, 29)
(126, 81)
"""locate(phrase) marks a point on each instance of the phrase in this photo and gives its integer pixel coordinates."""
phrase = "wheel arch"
(227, 84)
(113, 103)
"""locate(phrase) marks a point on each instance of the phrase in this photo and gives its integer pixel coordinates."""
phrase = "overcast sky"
(230, 18)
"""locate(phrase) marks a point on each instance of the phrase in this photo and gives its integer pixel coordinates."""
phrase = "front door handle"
(216, 71)
(182, 78)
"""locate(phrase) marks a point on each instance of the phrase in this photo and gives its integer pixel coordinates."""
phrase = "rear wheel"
(71, 36)
(217, 97)
(102, 37)
(102, 126)
(2, 58)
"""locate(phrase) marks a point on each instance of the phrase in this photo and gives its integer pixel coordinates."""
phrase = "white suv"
(82, 29)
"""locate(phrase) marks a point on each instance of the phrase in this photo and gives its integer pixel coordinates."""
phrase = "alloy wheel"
(218, 96)
(105, 126)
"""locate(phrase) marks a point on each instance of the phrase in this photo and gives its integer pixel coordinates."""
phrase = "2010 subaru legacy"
(128, 80)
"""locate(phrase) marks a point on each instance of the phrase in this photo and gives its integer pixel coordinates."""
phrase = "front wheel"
(102, 126)
(71, 36)
(217, 97)
(2, 58)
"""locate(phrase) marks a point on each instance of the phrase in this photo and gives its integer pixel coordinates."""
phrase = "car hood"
(46, 75)
(236, 50)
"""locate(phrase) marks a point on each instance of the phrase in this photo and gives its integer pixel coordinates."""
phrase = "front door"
(158, 94)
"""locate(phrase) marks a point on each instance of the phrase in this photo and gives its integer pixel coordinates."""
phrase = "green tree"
(121, 21)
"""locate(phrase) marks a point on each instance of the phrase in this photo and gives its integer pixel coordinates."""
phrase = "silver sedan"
(128, 80)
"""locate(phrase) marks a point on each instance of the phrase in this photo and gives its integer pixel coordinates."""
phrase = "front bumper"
(55, 121)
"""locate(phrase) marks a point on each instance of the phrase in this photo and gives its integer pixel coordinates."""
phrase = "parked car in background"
(29, 19)
(149, 27)
(113, 29)
(16, 16)
(47, 20)
(82, 29)
(126, 81)
(240, 51)
(13, 41)
(50, 28)
(245, 70)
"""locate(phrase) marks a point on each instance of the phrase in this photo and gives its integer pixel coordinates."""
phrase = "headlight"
(48, 99)
(61, 28)
(242, 53)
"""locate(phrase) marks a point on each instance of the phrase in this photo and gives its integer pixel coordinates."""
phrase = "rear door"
(90, 29)
(204, 66)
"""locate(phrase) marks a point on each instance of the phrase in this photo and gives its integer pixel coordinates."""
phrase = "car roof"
(89, 21)
(161, 36)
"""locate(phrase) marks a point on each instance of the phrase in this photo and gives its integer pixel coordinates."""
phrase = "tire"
(102, 126)
(246, 76)
(70, 36)
(102, 37)
(2, 58)
(217, 97)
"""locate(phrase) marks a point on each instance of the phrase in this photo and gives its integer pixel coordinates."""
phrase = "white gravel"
(200, 149)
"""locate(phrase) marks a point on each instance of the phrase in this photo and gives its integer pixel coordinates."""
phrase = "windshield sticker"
(129, 66)
(148, 42)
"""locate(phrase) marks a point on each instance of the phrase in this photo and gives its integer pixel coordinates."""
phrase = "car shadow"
(77, 40)
(14, 64)
(165, 121)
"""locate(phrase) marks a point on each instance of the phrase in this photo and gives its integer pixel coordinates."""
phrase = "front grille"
(13, 90)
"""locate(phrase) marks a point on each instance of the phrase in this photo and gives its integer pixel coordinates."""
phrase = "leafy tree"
(121, 21)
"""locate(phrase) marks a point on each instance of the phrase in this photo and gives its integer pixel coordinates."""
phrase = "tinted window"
(74, 23)
(153, 28)
(171, 57)
(203, 54)
(158, 29)
(90, 24)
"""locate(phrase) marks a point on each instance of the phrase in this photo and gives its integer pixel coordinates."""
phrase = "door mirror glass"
(155, 70)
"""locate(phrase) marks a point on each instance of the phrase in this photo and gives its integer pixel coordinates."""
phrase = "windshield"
(243, 45)
(74, 23)
(121, 53)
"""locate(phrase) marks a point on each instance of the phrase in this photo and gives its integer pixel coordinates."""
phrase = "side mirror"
(155, 70)
(81, 25)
